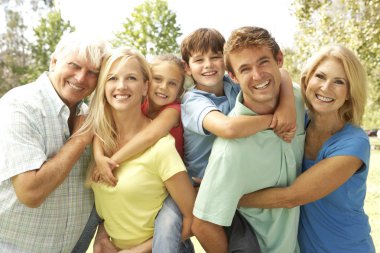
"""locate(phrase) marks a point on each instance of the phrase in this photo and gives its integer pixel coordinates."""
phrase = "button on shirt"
(33, 129)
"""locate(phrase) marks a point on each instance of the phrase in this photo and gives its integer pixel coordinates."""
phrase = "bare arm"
(183, 193)
(104, 164)
(33, 187)
(159, 128)
(211, 236)
(102, 242)
(315, 183)
(235, 127)
(145, 247)
(284, 118)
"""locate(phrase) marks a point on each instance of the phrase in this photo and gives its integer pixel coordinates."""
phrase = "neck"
(329, 124)
(129, 123)
(261, 108)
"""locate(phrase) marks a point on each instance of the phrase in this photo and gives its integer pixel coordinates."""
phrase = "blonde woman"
(144, 181)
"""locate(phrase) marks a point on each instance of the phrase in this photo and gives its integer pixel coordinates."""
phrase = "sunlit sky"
(106, 17)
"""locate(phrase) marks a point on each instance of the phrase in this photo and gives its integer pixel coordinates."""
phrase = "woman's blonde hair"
(353, 109)
(99, 119)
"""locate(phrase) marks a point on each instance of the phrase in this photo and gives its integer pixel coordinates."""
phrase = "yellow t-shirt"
(129, 209)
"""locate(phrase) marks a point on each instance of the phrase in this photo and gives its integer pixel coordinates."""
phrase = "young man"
(243, 165)
(45, 205)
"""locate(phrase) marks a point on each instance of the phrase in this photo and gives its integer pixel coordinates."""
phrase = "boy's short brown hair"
(201, 41)
(248, 37)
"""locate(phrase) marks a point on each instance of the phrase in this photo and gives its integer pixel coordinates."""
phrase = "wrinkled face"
(327, 89)
(166, 84)
(259, 77)
(207, 69)
(73, 78)
(125, 86)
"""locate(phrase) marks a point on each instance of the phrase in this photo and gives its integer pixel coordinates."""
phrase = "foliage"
(353, 23)
(152, 29)
(47, 33)
(14, 55)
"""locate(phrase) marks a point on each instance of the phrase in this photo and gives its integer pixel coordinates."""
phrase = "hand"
(102, 243)
(86, 136)
(104, 171)
(284, 127)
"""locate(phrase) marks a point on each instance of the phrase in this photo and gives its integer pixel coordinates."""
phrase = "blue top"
(337, 223)
(196, 104)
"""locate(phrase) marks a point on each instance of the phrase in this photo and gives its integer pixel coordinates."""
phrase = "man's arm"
(211, 236)
(33, 187)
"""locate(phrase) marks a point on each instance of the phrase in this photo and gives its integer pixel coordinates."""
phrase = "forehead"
(126, 65)
(204, 53)
(80, 59)
(248, 56)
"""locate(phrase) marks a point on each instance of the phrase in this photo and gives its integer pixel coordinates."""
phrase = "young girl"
(129, 209)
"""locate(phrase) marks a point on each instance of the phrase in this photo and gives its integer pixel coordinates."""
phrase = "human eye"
(319, 76)
(173, 83)
(111, 78)
(132, 78)
(340, 82)
(73, 65)
(157, 79)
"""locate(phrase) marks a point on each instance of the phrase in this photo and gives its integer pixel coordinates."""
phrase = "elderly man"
(44, 203)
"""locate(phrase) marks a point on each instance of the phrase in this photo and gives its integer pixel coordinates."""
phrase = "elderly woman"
(144, 181)
(332, 187)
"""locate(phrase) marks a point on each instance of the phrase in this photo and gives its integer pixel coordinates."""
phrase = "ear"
(187, 68)
(53, 62)
(145, 88)
(233, 77)
(280, 59)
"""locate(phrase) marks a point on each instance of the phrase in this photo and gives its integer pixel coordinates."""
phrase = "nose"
(208, 63)
(81, 75)
(121, 84)
(325, 85)
(256, 75)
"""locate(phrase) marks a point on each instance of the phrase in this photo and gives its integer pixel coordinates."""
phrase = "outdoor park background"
(30, 29)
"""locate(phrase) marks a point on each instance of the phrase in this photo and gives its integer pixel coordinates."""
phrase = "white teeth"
(324, 99)
(262, 85)
(209, 73)
(121, 96)
(75, 87)
(161, 95)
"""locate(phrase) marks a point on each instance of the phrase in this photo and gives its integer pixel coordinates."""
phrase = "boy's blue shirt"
(196, 104)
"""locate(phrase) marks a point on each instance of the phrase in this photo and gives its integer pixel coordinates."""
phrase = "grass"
(372, 202)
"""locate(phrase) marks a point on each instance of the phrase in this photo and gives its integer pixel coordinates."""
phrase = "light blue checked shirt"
(33, 129)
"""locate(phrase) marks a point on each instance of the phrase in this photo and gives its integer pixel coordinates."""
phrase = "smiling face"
(207, 69)
(73, 78)
(327, 88)
(166, 84)
(259, 77)
(125, 85)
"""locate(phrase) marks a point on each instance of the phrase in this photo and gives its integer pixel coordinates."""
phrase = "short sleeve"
(221, 188)
(22, 144)
(167, 160)
(352, 142)
(194, 108)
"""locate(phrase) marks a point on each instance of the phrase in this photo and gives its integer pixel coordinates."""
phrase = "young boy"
(205, 107)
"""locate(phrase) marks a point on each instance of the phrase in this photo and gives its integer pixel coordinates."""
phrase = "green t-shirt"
(240, 166)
